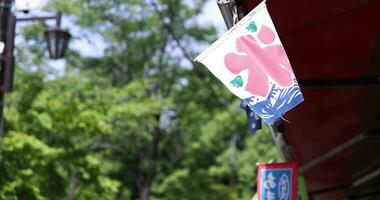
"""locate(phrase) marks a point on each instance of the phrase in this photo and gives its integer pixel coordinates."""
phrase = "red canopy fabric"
(332, 39)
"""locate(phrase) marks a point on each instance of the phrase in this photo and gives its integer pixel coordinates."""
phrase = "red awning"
(332, 39)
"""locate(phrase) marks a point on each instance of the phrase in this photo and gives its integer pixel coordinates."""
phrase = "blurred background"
(126, 114)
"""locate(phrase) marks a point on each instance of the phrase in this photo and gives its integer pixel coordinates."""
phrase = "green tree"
(141, 121)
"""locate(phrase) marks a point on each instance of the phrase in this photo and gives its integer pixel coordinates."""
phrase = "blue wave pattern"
(279, 101)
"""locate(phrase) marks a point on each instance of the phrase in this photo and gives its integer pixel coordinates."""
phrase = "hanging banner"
(277, 181)
(251, 62)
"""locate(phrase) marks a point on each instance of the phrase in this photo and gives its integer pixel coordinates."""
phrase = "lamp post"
(5, 18)
(57, 43)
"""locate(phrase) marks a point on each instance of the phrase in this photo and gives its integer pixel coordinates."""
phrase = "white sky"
(210, 15)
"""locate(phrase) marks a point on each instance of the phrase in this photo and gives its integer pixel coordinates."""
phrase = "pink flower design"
(261, 62)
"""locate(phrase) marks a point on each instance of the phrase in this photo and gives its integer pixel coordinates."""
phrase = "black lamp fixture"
(57, 39)
(57, 42)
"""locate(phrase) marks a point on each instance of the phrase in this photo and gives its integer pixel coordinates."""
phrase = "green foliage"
(191, 186)
(25, 159)
(142, 121)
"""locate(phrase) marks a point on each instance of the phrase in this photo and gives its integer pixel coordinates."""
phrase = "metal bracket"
(229, 12)
(57, 17)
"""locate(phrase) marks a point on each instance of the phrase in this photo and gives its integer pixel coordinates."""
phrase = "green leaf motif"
(252, 27)
(237, 82)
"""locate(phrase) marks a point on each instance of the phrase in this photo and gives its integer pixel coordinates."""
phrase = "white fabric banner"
(251, 62)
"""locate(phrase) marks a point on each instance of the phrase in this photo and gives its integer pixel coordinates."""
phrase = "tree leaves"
(141, 121)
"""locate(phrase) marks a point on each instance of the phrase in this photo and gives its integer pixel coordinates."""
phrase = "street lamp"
(57, 42)
(56, 38)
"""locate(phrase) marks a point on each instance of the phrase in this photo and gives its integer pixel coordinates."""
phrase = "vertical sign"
(277, 181)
